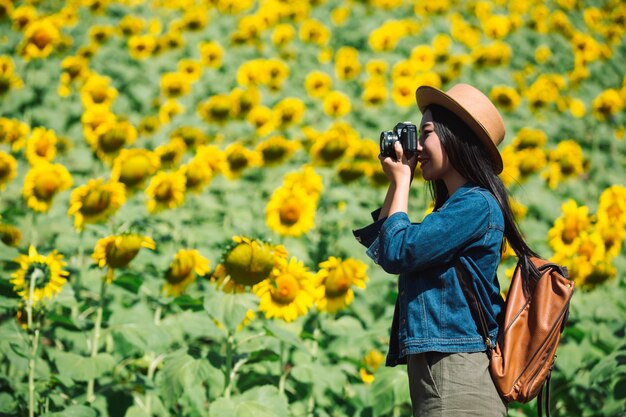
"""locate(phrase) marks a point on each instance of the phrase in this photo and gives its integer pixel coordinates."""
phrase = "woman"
(433, 331)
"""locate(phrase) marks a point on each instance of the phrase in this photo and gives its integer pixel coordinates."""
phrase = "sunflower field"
(179, 180)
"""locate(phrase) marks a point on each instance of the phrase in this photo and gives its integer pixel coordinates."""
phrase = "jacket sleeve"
(402, 246)
(368, 234)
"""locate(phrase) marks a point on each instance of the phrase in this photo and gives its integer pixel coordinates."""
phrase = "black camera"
(406, 133)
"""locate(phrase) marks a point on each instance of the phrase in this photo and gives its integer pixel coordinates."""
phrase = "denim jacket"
(431, 312)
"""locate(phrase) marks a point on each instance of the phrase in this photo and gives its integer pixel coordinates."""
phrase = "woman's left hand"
(401, 169)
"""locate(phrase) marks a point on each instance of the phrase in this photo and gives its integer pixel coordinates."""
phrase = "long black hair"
(470, 158)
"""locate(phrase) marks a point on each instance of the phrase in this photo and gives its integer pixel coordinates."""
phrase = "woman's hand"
(401, 169)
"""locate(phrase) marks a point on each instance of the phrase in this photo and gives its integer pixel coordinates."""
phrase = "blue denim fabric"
(431, 312)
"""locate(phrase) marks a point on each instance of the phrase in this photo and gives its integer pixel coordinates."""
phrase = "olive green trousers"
(453, 385)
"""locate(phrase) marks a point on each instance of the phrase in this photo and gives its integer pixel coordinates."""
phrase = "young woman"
(433, 331)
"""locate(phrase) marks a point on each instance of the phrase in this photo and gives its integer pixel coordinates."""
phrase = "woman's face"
(431, 156)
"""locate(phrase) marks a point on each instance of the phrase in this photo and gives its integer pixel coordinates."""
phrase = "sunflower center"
(286, 289)
(95, 202)
(164, 192)
(113, 140)
(180, 270)
(134, 170)
(41, 272)
(5, 170)
(274, 153)
(120, 254)
(237, 162)
(41, 39)
(99, 95)
(333, 150)
(249, 264)
(290, 212)
(46, 187)
(5, 83)
(337, 283)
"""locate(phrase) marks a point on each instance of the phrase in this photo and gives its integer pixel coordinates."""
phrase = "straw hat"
(474, 108)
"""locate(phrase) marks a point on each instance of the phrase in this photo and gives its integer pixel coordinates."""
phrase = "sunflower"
(169, 109)
(141, 46)
(131, 25)
(13, 132)
(315, 32)
(191, 68)
(97, 91)
(347, 66)
(92, 118)
(46, 271)
(175, 84)
(118, 251)
(133, 166)
(283, 34)
(288, 293)
(263, 120)
(8, 79)
(111, 137)
(276, 150)
(613, 204)
(171, 153)
(291, 211)
(40, 38)
(197, 174)
(337, 104)
(242, 101)
(566, 161)
(43, 182)
(166, 191)
(95, 201)
(8, 169)
(505, 97)
(246, 263)
(211, 54)
(403, 91)
(238, 159)
(41, 146)
(187, 263)
(289, 111)
(370, 364)
(216, 108)
(374, 92)
(336, 278)
(307, 178)
(607, 104)
(213, 157)
(574, 220)
(529, 138)
(252, 73)
(329, 147)
(10, 235)
(318, 84)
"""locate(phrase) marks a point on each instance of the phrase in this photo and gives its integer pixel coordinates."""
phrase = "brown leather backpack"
(522, 358)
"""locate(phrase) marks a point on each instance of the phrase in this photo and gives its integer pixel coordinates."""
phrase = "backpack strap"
(476, 308)
(540, 403)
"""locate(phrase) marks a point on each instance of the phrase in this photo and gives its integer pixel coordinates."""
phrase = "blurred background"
(179, 180)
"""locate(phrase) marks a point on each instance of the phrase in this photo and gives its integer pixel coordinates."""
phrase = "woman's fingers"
(399, 151)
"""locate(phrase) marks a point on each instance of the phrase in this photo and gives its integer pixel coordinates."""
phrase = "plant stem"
(314, 350)
(96, 337)
(229, 364)
(157, 315)
(35, 342)
(281, 370)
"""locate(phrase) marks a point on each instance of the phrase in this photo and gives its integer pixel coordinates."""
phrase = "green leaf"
(181, 371)
(82, 368)
(130, 282)
(390, 388)
(74, 411)
(135, 411)
(229, 309)
(283, 334)
(186, 302)
(7, 403)
(264, 401)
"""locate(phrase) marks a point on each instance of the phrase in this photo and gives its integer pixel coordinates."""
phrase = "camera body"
(406, 133)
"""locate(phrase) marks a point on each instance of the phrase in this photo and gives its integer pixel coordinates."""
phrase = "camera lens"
(387, 140)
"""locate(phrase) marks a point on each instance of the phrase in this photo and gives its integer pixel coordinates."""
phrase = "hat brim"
(426, 95)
